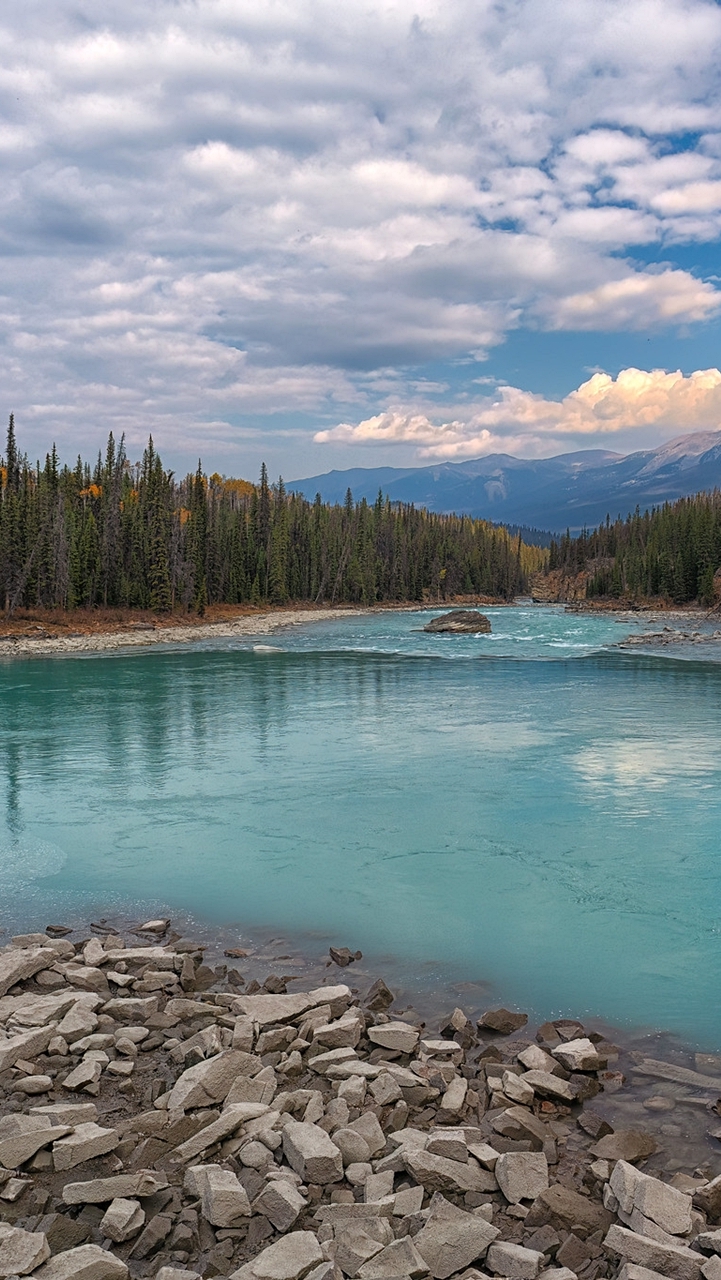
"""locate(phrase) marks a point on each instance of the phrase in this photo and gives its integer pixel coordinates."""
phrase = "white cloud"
(516, 420)
(214, 210)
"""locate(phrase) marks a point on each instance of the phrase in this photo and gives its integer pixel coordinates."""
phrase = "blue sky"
(338, 235)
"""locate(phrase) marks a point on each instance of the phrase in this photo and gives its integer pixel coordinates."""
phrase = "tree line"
(671, 552)
(132, 535)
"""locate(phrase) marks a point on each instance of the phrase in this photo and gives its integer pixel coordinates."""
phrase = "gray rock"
(514, 1261)
(87, 1141)
(668, 1208)
(522, 1175)
(21, 1251)
(122, 1220)
(207, 1082)
(578, 1055)
(356, 1244)
(671, 1260)
(398, 1036)
(448, 1245)
(549, 1086)
(85, 1076)
(625, 1144)
(435, 1173)
(22, 1136)
(564, 1207)
(281, 1203)
(229, 1122)
(309, 1151)
(287, 1259)
(631, 1271)
(21, 963)
(460, 621)
(400, 1258)
(121, 1186)
(26, 1044)
(223, 1199)
(503, 1021)
(87, 1262)
(175, 1273)
(369, 1129)
(353, 1148)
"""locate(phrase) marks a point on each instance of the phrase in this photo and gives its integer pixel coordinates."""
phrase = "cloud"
(213, 211)
(517, 420)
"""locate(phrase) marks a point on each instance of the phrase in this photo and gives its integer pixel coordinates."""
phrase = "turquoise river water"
(531, 809)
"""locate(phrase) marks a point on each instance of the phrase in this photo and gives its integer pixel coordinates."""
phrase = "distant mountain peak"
(570, 489)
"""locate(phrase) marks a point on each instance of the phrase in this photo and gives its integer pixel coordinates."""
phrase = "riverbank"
(100, 631)
(159, 1110)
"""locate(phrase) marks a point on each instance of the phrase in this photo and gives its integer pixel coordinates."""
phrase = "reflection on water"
(547, 825)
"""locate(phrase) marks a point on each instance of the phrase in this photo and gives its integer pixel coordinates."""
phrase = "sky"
(332, 235)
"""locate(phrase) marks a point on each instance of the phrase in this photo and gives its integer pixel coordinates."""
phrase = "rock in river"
(460, 621)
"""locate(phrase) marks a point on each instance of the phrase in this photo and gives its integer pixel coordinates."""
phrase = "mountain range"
(571, 490)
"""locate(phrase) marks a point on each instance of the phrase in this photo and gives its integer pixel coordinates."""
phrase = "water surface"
(531, 809)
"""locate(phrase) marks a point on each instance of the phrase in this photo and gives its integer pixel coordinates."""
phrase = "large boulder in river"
(460, 622)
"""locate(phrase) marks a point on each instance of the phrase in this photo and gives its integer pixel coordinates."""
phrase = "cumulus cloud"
(602, 406)
(214, 211)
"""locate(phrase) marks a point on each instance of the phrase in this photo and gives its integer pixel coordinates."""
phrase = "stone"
(287, 1259)
(87, 1262)
(22, 1136)
(386, 1089)
(21, 1251)
(227, 1123)
(357, 1244)
(33, 1085)
(67, 1112)
(517, 1089)
(625, 1144)
(378, 1186)
(549, 1086)
(224, 1200)
(399, 1258)
(176, 1273)
(579, 1055)
(460, 621)
(345, 1033)
(397, 1036)
(709, 1241)
(121, 1186)
(122, 1220)
(435, 1173)
(407, 1202)
(267, 1010)
(309, 1150)
(447, 1245)
(27, 1044)
(152, 1236)
(711, 1270)
(671, 1260)
(502, 1021)
(87, 1141)
(78, 1022)
(85, 1076)
(514, 1261)
(522, 1175)
(451, 1144)
(368, 1127)
(534, 1058)
(353, 1148)
(708, 1198)
(664, 1205)
(563, 1207)
(631, 1271)
(281, 1203)
(454, 1098)
(21, 963)
(131, 1008)
(207, 1082)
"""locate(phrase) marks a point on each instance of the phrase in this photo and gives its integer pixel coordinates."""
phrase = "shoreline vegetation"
(165, 1115)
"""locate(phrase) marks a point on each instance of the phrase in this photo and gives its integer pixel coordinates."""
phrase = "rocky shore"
(160, 1117)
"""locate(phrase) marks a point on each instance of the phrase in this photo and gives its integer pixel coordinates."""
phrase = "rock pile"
(158, 1120)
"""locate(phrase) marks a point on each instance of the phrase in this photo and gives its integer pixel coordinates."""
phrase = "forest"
(670, 553)
(130, 534)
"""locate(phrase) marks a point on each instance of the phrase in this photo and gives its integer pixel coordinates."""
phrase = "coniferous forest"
(670, 553)
(132, 535)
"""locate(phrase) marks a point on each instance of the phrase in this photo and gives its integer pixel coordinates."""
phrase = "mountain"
(572, 490)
